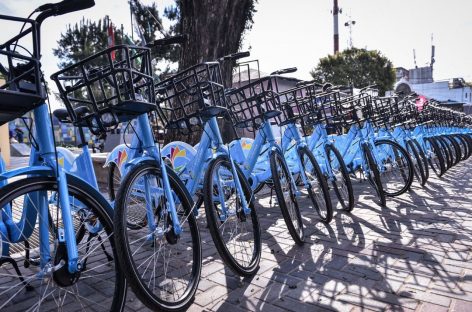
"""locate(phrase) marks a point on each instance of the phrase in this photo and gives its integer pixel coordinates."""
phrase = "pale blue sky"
(299, 32)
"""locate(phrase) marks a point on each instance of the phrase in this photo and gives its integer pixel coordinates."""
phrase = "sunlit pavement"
(413, 255)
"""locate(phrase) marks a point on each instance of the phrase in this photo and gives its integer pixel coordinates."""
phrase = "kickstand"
(4, 260)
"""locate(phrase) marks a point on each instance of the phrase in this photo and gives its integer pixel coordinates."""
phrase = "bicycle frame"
(211, 138)
(43, 162)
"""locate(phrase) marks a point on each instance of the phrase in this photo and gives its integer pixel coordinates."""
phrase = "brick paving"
(413, 255)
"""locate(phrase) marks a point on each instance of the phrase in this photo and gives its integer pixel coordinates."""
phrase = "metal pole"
(335, 26)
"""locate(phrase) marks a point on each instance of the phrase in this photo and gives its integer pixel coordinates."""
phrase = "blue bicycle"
(53, 224)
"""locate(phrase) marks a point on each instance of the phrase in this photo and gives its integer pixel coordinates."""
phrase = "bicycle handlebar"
(178, 39)
(66, 6)
(284, 71)
(372, 86)
(309, 82)
(235, 56)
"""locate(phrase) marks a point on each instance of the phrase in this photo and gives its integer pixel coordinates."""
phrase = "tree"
(356, 67)
(83, 40)
(215, 28)
(89, 37)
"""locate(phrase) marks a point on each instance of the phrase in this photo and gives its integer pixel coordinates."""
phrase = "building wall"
(440, 91)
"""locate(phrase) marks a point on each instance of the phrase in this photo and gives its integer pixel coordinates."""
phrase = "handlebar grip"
(284, 71)
(178, 39)
(67, 6)
(236, 56)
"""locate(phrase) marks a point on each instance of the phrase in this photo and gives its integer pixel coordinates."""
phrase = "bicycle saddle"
(63, 115)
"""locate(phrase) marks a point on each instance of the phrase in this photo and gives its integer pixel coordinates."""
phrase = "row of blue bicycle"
(63, 245)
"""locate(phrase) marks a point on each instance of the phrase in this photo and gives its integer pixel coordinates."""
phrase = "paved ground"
(413, 255)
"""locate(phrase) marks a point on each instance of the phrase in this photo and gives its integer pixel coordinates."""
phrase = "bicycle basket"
(20, 77)
(112, 86)
(355, 109)
(190, 96)
(254, 102)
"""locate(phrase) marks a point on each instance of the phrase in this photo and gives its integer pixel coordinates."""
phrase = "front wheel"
(341, 181)
(286, 196)
(236, 235)
(397, 167)
(163, 267)
(317, 187)
(99, 285)
(373, 174)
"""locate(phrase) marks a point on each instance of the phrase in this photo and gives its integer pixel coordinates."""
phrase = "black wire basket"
(186, 99)
(21, 88)
(110, 87)
(355, 109)
(251, 104)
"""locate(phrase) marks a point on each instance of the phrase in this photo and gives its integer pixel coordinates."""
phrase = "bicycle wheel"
(342, 184)
(445, 150)
(286, 196)
(163, 268)
(418, 167)
(462, 146)
(318, 190)
(455, 149)
(398, 167)
(236, 235)
(113, 181)
(100, 285)
(373, 174)
(435, 156)
(423, 158)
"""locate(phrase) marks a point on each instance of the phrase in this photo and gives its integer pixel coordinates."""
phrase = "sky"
(288, 33)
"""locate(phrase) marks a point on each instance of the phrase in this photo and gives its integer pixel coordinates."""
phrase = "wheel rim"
(167, 265)
(289, 196)
(54, 291)
(235, 229)
(315, 190)
(339, 183)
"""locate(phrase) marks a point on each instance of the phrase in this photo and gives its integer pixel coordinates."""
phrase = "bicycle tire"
(112, 179)
(407, 176)
(134, 274)
(423, 157)
(290, 211)
(435, 156)
(91, 209)
(374, 175)
(349, 205)
(417, 163)
(250, 267)
(447, 154)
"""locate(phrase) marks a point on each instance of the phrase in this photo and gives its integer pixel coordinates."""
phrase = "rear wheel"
(237, 236)
(286, 196)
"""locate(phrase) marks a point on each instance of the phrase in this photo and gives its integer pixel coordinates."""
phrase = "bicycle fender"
(31, 170)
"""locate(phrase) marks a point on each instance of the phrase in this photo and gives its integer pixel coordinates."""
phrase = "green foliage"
(83, 40)
(356, 67)
(89, 37)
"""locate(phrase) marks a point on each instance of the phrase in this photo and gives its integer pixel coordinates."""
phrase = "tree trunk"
(214, 29)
